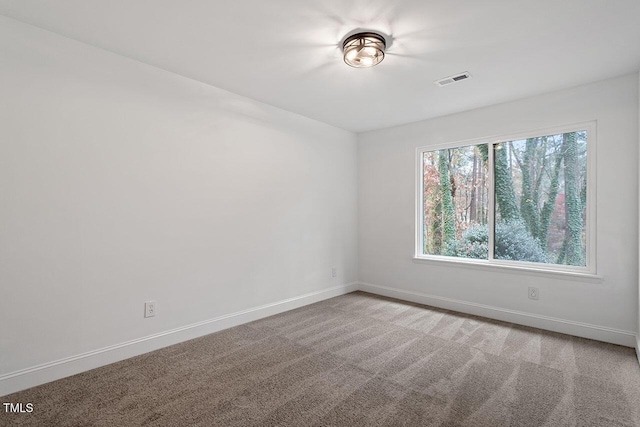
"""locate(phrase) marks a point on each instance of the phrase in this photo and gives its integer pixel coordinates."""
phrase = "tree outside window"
(539, 190)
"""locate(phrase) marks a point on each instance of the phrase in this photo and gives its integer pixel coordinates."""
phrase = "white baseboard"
(638, 347)
(585, 330)
(36, 375)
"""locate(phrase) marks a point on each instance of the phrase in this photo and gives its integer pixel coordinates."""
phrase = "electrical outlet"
(534, 293)
(150, 309)
(334, 272)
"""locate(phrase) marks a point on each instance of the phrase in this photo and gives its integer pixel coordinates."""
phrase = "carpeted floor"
(355, 360)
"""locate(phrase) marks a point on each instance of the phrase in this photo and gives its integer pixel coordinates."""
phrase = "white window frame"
(590, 223)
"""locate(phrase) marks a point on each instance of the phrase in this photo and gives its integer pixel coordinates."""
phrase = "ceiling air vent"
(453, 79)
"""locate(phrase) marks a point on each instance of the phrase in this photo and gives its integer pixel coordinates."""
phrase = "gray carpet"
(355, 360)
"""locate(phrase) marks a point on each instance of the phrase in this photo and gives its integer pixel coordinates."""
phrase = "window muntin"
(521, 201)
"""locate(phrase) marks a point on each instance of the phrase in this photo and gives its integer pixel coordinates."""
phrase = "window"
(522, 201)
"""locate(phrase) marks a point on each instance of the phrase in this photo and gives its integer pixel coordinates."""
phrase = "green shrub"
(474, 244)
(512, 242)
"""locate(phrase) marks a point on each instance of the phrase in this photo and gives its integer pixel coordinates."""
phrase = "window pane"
(540, 195)
(456, 202)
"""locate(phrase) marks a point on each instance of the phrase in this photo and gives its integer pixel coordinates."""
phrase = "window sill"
(532, 271)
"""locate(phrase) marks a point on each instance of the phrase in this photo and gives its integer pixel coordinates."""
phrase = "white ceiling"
(285, 52)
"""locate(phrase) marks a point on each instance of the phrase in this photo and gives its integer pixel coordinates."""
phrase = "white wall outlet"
(334, 272)
(534, 293)
(150, 308)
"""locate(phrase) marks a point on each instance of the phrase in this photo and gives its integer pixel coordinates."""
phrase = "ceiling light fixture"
(364, 50)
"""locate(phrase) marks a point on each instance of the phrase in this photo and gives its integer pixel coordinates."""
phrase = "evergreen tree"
(436, 229)
(504, 193)
(529, 198)
(549, 204)
(573, 205)
(448, 213)
(473, 204)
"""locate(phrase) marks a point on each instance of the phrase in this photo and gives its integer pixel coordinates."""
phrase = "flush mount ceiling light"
(364, 50)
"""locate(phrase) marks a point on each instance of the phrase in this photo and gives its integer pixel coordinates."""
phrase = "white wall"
(386, 169)
(122, 183)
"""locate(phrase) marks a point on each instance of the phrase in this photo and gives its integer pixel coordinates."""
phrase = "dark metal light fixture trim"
(363, 50)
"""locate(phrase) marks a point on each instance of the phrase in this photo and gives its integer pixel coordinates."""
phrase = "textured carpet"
(354, 360)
